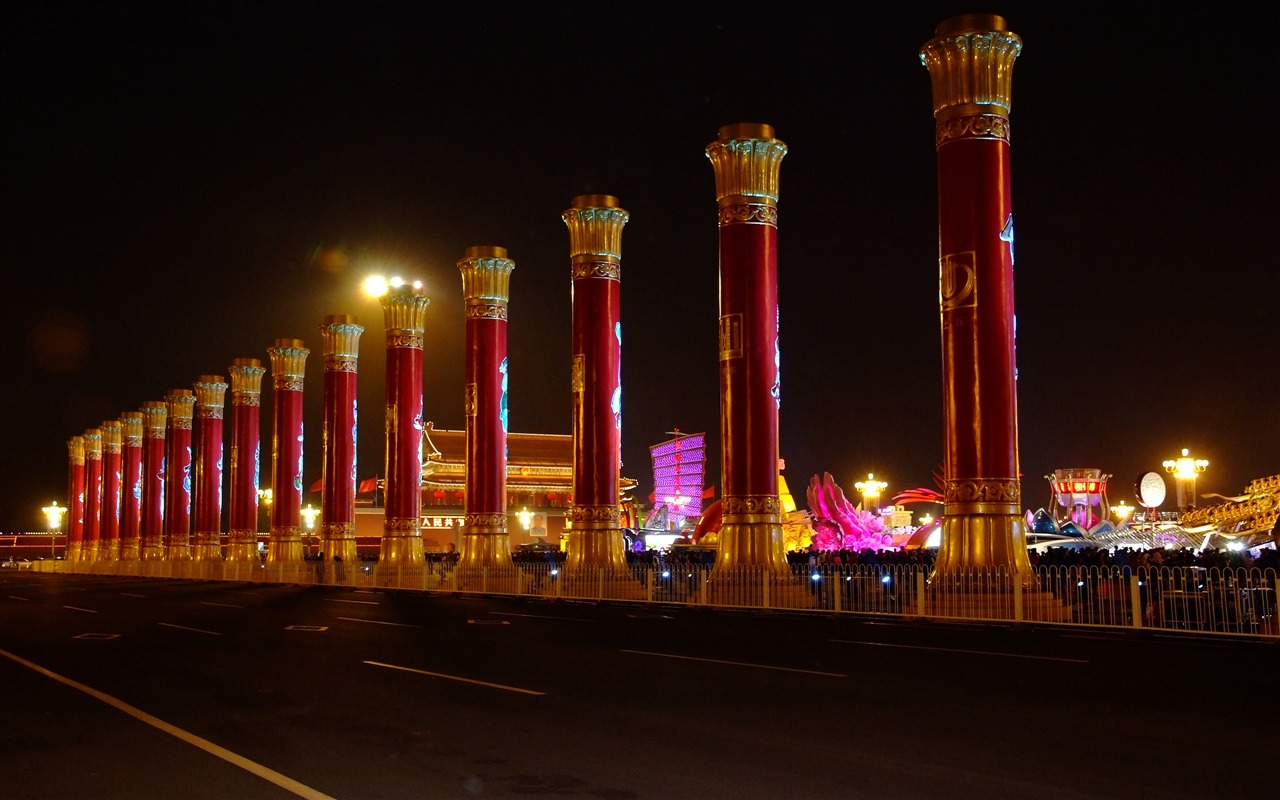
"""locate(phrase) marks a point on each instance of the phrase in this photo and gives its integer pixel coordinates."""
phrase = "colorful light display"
(679, 465)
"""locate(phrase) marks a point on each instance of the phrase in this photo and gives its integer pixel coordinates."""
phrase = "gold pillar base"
(753, 543)
(89, 551)
(73, 552)
(152, 550)
(177, 552)
(130, 549)
(983, 540)
(285, 545)
(401, 543)
(596, 547)
(485, 549)
(338, 540)
(205, 546)
(242, 545)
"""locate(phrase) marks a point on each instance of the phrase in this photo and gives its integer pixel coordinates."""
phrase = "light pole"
(871, 489)
(1122, 512)
(309, 515)
(1185, 469)
(53, 513)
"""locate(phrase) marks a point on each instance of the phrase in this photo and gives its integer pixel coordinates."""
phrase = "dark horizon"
(188, 184)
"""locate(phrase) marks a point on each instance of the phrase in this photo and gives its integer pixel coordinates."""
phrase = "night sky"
(184, 183)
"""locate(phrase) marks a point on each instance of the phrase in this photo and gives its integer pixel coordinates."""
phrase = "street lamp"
(1122, 511)
(871, 489)
(1185, 469)
(309, 515)
(53, 513)
(525, 515)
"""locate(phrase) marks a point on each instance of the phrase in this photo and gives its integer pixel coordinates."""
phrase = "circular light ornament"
(1150, 489)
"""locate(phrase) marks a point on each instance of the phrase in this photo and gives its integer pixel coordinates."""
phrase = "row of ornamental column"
(149, 485)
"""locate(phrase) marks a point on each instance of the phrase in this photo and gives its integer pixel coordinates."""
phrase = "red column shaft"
(109, 535)
(155, 426)
(286, 459)
(75, 497)
(404, 432)
(486, 485)
(92, 493)
(178, 466)
(246, 467)
(597, 407)
(749, 364)
(131, 486)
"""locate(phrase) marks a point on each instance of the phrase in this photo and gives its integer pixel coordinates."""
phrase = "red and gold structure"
(211, 393)
(970, 64)
(75, 498)
(180, 407)
(131, 485)
(155, 424)
(245, 378)
(404, 314)
(341, 335)
(109, 534)
(595, 542)
(747, 160)
(288, 371)
(92, 494)
(486, 292)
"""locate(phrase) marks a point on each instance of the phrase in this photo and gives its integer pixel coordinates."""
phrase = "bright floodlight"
(375, 286)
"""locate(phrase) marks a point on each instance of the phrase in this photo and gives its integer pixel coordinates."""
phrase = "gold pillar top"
(93, 444)
(595, 224)
(75, 449)
(131, 428)
(747, 160)
(111, 435)
(210, 392)
(341, 336)
(486, 274)
(288, 358)
(155, 414)
(181, 404)
(404, 308)
(970, 62)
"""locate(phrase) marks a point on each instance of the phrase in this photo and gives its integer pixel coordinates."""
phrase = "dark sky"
(184, 183)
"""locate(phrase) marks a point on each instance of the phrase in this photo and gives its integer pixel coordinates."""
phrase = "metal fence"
(1216, 601)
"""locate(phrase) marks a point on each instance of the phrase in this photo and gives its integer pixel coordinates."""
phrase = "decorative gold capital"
(131, 428)
(341, 337)
(404, 310)
(747, 161)
(155, 414)
(288, 364)
(608, 270)
(595, 226)
(211, 392)
(486, 281)
(181, 405)
(111, 435)
(75, 449)
(970, 63)
(93, 444)
(246, 381)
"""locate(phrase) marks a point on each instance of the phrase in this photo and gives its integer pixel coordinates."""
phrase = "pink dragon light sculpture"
(838, 524)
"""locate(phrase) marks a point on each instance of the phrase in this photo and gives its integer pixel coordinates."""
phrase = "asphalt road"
(140, 688)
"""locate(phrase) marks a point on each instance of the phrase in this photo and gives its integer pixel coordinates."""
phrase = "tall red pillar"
(595, 224)
(288, 371)
(131, 485)
(180, 409)
(747, 161)
(404, 315)
(92, 494)
(970, 64)
(486, 281)
(210, 391)
(245, 375)
(75, 498)
(155, 424)
(341, 336)
(109, 535)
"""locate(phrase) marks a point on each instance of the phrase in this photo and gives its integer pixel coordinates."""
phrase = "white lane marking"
(736, 663)
(85, 610)
(131, 594)
(536, 616)
(971, 652)
(380, 622)
(456, 678)
(15, 597)
(283, 781)
(185, 628)
(487, 622)
(224, 605)
(361, 602)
